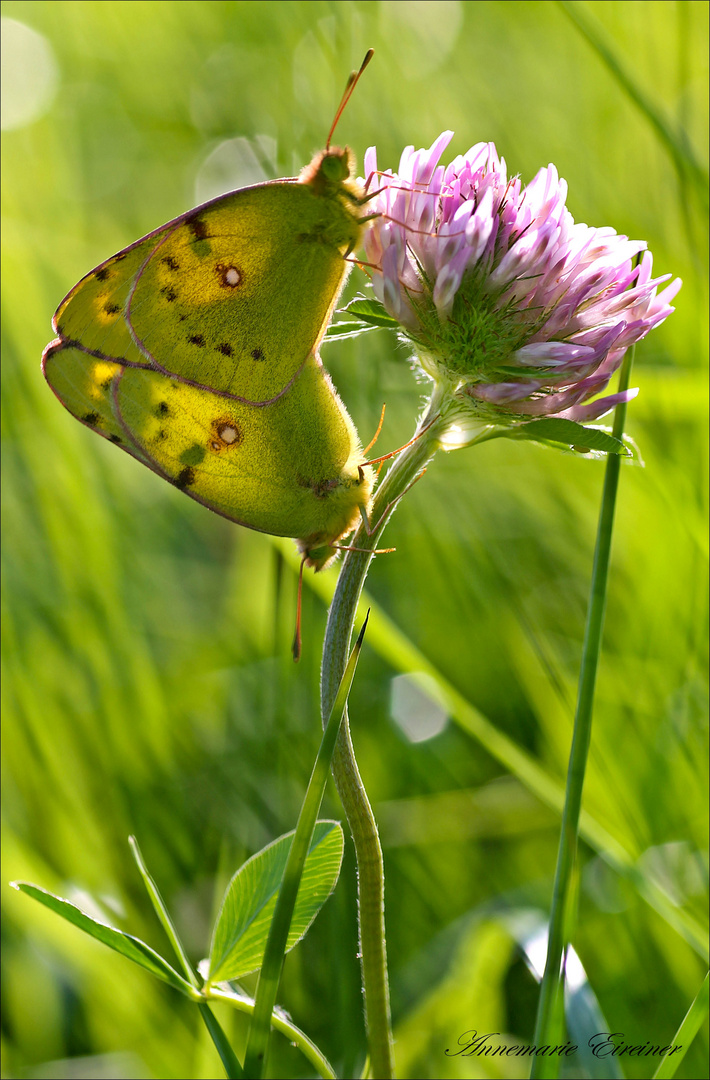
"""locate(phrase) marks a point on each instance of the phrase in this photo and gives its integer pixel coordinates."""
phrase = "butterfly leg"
(370, 529)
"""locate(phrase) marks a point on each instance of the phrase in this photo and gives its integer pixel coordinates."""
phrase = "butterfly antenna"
(296, 647)
(352, 82)
(377, 433)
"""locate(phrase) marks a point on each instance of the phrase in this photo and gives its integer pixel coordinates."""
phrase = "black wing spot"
(257, 354)
(185, 477)
(162, 408)
(91, 418)
(106, 384)
(320, 488)
(197, 339)
(169, 294)
(198, 228)
(182, 318)
(102, 274)
(226, 349)
(170, 262)
(114, 439)
(112, 309)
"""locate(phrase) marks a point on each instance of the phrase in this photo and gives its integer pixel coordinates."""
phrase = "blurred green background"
(148, 683)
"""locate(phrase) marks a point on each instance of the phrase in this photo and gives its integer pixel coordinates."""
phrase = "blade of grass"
(686, 1033)
(270, 974)
(552, 980)
(125, 944)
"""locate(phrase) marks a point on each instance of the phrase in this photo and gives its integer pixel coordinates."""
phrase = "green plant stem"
(270, 974)
(279, 1022)
(407, 466)
(229, 1059)
(567, 851)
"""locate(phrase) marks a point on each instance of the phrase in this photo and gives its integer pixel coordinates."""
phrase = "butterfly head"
(332, 173)
(336, 164)
(319, 556)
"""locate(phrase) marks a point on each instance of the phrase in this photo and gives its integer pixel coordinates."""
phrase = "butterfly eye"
(335, 165)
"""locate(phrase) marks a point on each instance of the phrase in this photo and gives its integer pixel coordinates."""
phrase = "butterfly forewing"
(93, 313)
(231, 297)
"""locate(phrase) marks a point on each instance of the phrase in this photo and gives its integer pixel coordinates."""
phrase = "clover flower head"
(525, 312)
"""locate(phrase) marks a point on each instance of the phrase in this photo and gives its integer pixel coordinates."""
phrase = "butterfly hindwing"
(290, 468)
(85, 385)
(285, 469)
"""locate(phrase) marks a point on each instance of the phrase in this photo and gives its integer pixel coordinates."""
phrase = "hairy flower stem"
(552, 982)
(407, 466)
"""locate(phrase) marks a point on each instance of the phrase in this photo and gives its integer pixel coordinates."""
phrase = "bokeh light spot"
(423, 33)
(235, 163)
(415, 708)
(30, 75)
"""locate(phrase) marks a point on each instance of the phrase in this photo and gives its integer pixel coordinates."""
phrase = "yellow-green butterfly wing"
(291, 469)
(233, 296)
(194, 349)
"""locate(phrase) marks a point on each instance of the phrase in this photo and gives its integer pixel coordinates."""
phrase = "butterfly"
(195, 350)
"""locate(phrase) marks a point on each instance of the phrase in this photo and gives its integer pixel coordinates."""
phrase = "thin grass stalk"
(279, 1022)
(552, 981)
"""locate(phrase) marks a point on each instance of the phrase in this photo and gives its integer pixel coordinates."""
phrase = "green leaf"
(340, 330)
(162, 912)
(371, 311)
(633, 451)
(558, 430)
(132, 947)
(243, 924)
